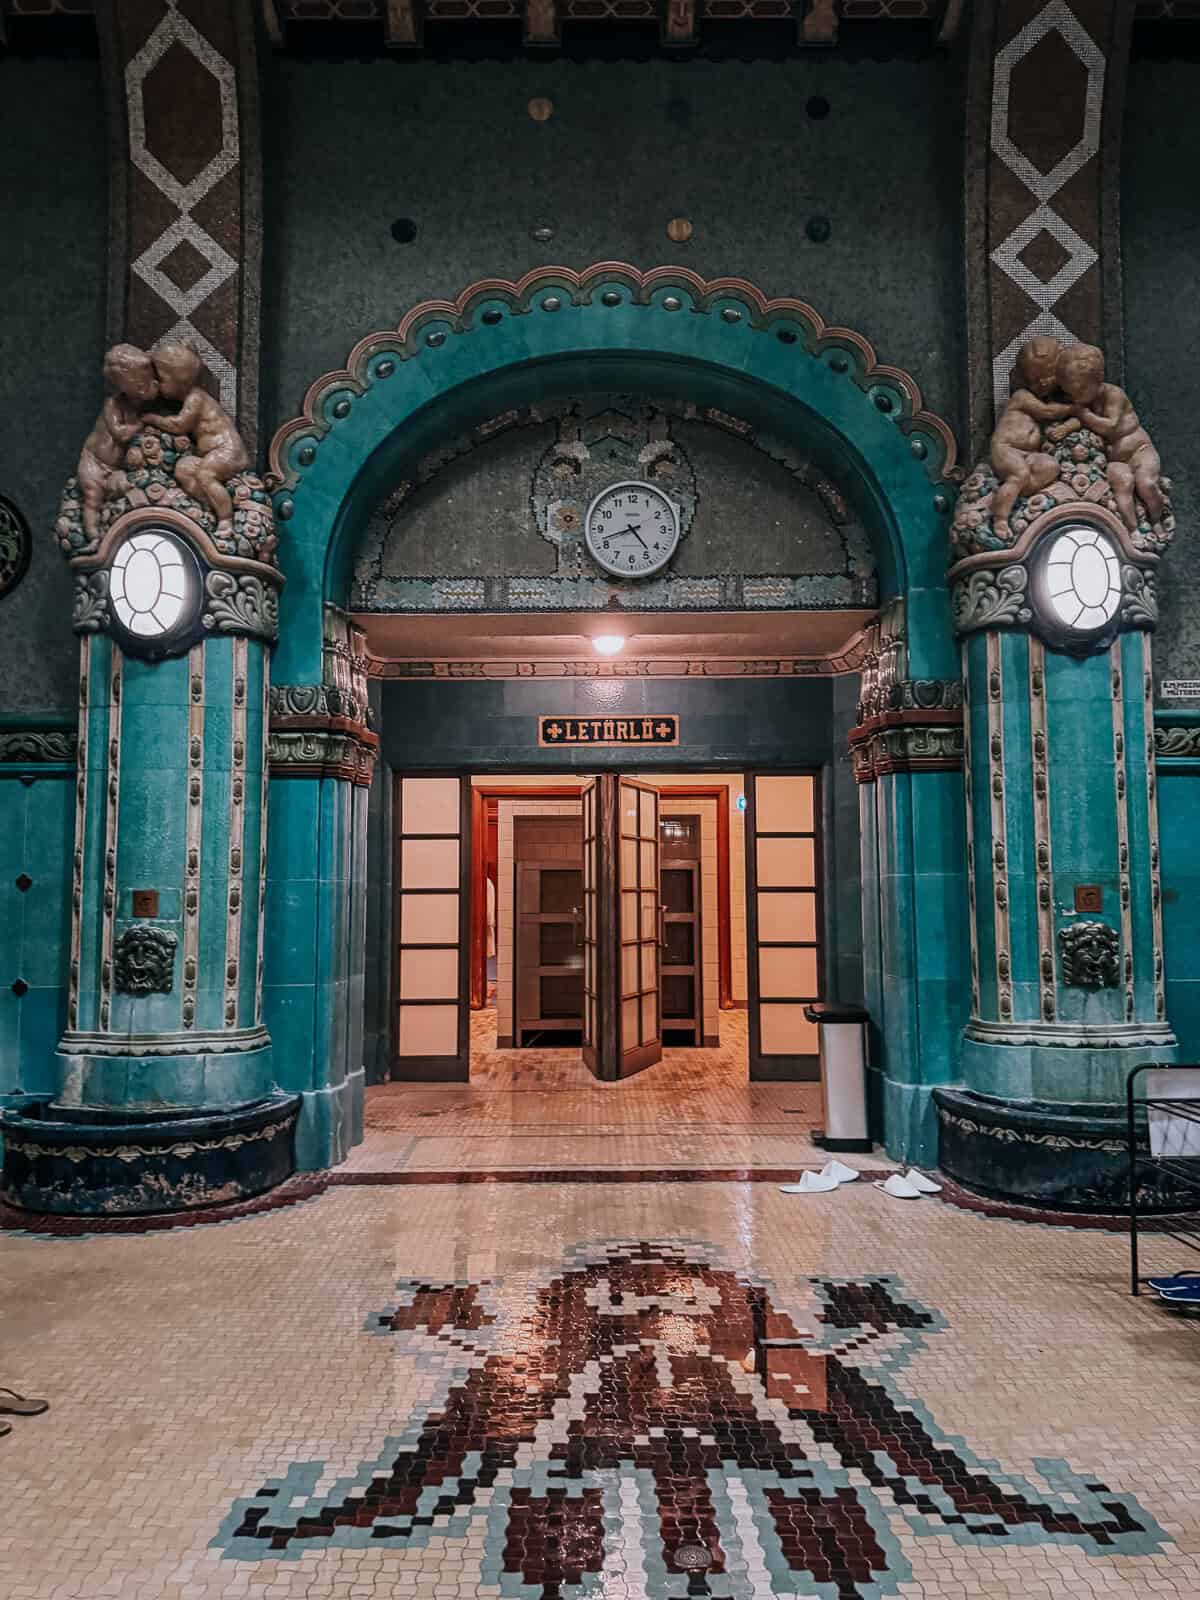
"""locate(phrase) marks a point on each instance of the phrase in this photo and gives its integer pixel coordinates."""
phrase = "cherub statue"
(131, 374)
(1022, 465)
(219, 448)
(1133, 462)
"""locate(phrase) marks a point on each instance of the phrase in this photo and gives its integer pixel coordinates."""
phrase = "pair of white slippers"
(910, 1185)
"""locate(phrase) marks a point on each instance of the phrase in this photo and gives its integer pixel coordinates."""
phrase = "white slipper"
(839, 1171)
(921, 1182)
(899, 1188)
(810, 1183)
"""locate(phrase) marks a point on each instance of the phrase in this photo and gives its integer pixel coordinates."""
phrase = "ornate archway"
(450, 362)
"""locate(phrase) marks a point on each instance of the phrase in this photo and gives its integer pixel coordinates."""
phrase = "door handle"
(662, 924)
(577, 928)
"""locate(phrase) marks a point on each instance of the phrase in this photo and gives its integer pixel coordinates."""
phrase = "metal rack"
(1168, 1163)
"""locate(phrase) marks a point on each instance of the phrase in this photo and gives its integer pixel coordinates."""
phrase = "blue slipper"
(1182, 1297)
(1181, 1280)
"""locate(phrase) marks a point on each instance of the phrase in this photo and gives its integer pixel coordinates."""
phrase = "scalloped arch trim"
(731, 298)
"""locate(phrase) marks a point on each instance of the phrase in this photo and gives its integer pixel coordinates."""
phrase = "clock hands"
(631, 529)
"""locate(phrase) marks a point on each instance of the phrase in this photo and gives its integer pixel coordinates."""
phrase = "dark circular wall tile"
(404, 230)
(818, 229)
(16, 546)
(817, 107)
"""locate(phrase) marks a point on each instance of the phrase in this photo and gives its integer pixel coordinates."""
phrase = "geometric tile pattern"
(184, 216)
(218, 1356)
(653, 1421)
(1046, 118)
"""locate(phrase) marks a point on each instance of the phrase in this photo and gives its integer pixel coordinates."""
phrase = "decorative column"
(1054, 604)
(165, 1091)
(907, 750)
(322, 755)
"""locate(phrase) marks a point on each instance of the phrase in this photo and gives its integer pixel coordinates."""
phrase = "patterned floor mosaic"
(542, 1109)
(630, 1391)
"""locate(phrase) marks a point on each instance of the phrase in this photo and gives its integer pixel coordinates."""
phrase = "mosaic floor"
(635, 1391)
(542, 1109)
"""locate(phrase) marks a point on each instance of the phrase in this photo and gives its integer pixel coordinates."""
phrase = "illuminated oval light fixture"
(608, 644)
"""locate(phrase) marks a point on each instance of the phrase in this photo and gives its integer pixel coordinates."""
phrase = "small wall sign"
(599, 732)
(145, 902)
(1088, 897)
(1181, 688)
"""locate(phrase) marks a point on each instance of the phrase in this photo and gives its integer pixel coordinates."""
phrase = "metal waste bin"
(842, 1041)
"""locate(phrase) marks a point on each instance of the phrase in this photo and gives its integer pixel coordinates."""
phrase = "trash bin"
(842, 1041)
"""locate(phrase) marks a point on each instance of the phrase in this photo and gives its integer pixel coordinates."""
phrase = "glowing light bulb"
(608, 644)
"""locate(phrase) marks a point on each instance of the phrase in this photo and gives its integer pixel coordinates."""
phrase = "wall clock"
(1077, 587)
(632, 529)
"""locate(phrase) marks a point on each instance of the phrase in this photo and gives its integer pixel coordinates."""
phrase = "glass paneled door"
(640, 926)
(590, 797)
(431, 865)
(622, 927)
(783, 903)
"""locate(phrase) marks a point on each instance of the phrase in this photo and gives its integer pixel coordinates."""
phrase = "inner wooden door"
(639, 926)
(589, 797)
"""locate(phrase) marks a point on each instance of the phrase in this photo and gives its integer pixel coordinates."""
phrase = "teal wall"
(53, 243)
(37, 824)
(1160, 246)
(351, 146)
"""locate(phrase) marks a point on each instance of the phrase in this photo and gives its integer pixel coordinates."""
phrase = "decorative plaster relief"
(1090, 955)
(16, 546)
(144, 960)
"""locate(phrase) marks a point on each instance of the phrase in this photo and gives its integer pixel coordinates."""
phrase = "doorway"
(606, 919)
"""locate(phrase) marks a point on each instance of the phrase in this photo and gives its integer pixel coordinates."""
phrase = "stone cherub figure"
(220, 452)
(132, 376)
(1134, 466)
(1021, 463)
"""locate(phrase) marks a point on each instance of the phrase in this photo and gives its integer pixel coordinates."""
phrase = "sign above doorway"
(608, 731)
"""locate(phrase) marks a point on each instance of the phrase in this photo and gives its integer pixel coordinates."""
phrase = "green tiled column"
(170, 803)
(1062, 782)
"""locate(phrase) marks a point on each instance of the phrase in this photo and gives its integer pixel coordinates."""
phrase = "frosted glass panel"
(649, 965)
(630, 1031)
(783, 805)
(649, 807)
(787, 972)
(785, 862)
(784, 918)
(428, 918)
(629, 810)
(649, 916)
(629, 969)
(785, 1031)
(629, 851)
(649, 1018)
(428, 1030)
(649, 861)
(429, 864)
(428, 974)
(629, 916)
(429, 805)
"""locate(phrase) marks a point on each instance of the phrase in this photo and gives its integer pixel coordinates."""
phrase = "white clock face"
(632, 529)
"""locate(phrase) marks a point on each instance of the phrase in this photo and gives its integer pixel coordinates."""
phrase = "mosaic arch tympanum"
(604, 1425)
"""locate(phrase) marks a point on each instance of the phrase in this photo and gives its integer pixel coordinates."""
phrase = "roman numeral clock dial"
(632, 530)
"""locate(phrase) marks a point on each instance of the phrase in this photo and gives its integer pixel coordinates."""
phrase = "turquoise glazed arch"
(453, 364)
(450, 363)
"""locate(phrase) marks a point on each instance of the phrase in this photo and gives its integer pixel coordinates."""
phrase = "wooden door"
(639, 927)
(548, 980)
(431, 1037)
(783, 922)
(589, 797)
